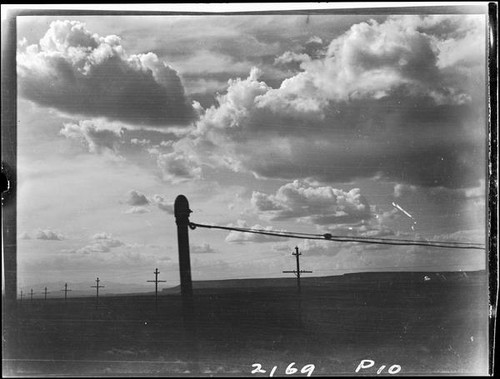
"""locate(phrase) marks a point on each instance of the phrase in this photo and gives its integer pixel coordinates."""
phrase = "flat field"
(436, 326)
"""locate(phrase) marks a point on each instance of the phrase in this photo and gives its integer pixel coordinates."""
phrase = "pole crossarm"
(298, 271)
(295, 271)
(97, 286)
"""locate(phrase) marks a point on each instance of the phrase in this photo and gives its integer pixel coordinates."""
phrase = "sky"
(319, 123)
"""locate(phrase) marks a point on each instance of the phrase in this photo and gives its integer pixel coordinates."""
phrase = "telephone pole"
(156, 281)
(66, 291)
(45, 292)
(298, 271)
(97, 291)
(182, 212)
(31, 295)
(21, 296)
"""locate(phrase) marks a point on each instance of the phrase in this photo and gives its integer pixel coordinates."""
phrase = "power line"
(330, 237)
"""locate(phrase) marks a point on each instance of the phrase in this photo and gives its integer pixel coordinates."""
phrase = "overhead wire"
(337, 238)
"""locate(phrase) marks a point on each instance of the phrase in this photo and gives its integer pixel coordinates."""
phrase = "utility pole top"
(181, 210)
(97, 286)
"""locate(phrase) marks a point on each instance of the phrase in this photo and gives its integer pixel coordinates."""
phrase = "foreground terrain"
(425, 323)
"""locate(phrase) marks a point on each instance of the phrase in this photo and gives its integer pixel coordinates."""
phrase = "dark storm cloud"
(81, 73)
(386, 102)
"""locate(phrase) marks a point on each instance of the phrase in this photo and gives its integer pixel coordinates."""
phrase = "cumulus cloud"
(404, 190)
(163, 204)
(400, 99)
(235, 105)
(137, 210)
(176, 166)
(80, 72)
(309, 248)
(100, 243)
(369, 61)
(24, 236)
(202, 249)
(97, 138)
(241, 237)
(48, 235)
(319, 205)
(136, 198)
(315, 248)
(142, 142)
(369, 108)
(291, 57)
(170, 157)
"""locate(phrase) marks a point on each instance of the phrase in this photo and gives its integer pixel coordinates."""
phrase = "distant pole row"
(45, 292)
(97, 286)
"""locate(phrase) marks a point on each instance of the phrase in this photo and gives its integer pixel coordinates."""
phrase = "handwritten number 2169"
(290, 370)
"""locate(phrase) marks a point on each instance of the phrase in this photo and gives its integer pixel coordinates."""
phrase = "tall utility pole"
(156, 281)
(45, 292)
(182, 212)
(21, 296)
(31, 295)
(97, 286)
(298, 271)
(66, 290)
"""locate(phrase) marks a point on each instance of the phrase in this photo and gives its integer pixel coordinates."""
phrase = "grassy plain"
(436, 326)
